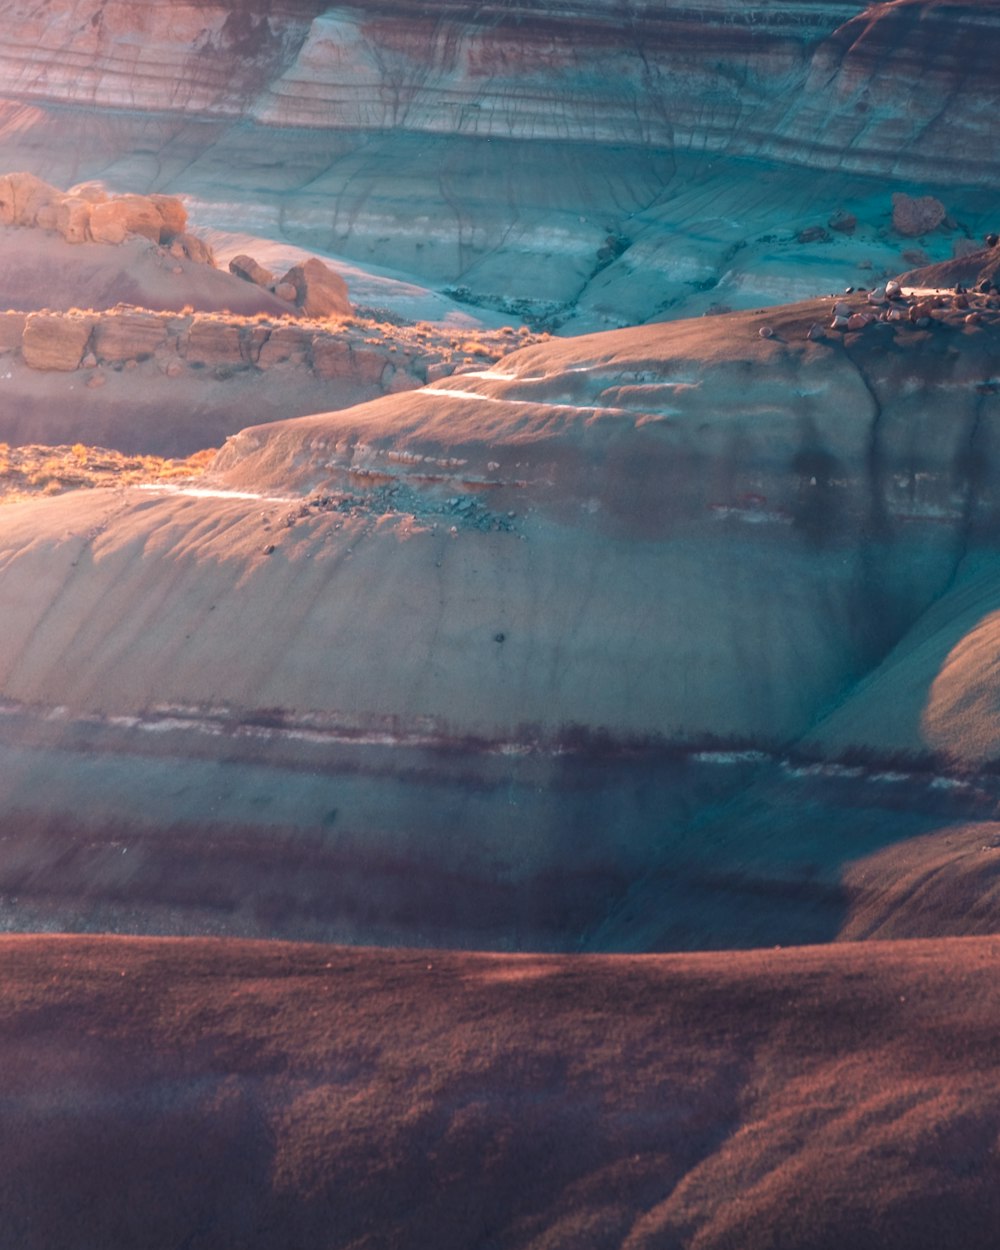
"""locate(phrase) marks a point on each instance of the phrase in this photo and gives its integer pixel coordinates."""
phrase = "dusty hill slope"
(697, 454)
(236, 1094)
(533, 592)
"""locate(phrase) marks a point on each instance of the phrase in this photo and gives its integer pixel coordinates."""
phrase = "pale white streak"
(205, 492)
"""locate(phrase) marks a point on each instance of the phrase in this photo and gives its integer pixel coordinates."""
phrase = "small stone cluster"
(891, 304)
(88, 214)
(462, 512)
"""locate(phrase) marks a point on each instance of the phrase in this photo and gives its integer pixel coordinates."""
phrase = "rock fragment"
(249, 270)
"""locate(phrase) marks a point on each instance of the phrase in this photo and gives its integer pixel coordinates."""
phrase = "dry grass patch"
(36, 469)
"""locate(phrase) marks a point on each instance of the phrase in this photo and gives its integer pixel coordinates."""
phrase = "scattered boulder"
(285, 291)
(249, 270)
(913, 215)
(52, 341)
(843, 222)
(319, 292)
(813, 234)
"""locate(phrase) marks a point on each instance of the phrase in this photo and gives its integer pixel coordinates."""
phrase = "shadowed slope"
(227, 1094)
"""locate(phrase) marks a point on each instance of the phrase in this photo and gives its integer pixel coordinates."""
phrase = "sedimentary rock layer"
(723, 76)
(515, 152)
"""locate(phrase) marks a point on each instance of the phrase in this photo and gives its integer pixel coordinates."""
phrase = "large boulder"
(913, 215)
(23, 197)
(319, 292)
(54, 341)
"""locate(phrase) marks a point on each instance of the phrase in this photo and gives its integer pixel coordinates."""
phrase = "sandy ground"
(206, 1094)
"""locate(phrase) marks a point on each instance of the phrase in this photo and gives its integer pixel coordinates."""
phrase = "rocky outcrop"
(189, 246)
(212, 341)
(23, 197)
(55, 342)
(114, 220)
(286, 345)
(87, 213)
(173, 217)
